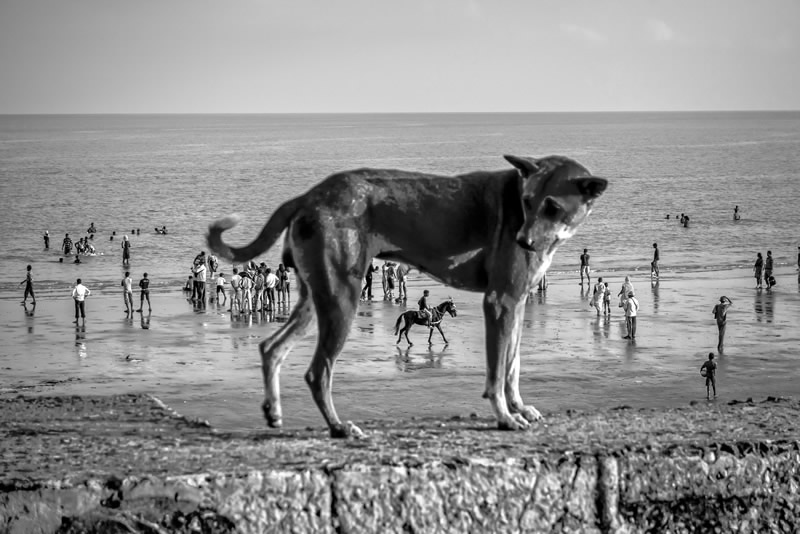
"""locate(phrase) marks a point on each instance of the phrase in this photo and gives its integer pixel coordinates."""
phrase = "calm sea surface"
(61, 173)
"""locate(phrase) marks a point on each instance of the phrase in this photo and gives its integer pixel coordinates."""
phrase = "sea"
(129, 174)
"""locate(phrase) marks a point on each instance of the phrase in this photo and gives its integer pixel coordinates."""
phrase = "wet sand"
(206, 365)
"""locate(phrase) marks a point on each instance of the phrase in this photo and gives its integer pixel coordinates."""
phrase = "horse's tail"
(397, 324)
(269, 234)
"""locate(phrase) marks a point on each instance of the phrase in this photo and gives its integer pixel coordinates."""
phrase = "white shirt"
(271, 281)
(220, 281)
(631, 305)
(200, 273)
(80, 292)
(127, 284)
(235, 282)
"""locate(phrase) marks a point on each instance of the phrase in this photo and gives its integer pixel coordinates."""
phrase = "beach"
(205, 362)
(122, 173)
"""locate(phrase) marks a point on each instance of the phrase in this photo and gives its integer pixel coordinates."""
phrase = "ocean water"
(61, 173)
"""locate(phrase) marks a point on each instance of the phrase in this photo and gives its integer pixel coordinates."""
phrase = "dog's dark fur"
(493, 232)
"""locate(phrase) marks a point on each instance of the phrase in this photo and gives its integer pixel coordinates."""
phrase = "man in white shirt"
(127, 292)
(200, 271)
(270, 283)
(79, 294)
(236, 286)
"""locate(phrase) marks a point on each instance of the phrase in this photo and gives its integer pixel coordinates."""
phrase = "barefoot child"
(709, 371)
(28, 287)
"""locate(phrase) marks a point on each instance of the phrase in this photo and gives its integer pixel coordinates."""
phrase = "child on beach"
(28, 287)
(709, 371)
(221, 288)
(598, 296)
(144, 284)
(606, 300)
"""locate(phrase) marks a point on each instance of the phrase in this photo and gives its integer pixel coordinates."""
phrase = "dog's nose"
(525, 242)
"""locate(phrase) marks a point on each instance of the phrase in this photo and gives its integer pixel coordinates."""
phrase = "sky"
(338, 56)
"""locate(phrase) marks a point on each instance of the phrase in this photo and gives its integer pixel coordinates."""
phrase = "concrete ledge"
(130, 464)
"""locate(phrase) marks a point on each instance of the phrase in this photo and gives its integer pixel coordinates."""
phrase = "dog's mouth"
(526, 243)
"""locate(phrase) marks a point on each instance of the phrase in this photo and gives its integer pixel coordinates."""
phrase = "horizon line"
(400, 112)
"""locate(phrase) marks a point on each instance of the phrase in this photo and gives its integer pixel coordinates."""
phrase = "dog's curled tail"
(269, 234)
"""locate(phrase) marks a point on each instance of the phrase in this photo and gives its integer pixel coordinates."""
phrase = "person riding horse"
(425, 310)
(412, 317)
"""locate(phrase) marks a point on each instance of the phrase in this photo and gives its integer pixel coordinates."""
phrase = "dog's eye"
(551, 209)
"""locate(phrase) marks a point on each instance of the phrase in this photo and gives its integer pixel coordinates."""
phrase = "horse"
(413, 317)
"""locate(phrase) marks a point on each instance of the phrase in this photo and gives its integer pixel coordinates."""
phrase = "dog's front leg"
(513, 397)
(501, 315)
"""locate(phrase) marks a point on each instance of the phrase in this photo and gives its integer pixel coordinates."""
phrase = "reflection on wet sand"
(407, 363)
(80, 340)
(764, 306)
(654, 288)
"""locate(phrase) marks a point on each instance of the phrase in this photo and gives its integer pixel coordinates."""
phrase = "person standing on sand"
(79, 294)
(46, 237)
(598, 296)
(144, 284)
(631, 307)
(709, 370)
(221, 289)
(606, 300)
(757, 268)
(585, 266)
(236, 287)
(654, 263)
(28, 287)
(720, 312)
(127, 292)
(768, 270)
(366, 291)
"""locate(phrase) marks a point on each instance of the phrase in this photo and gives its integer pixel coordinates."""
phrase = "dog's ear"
(591, 187)
(525, 166)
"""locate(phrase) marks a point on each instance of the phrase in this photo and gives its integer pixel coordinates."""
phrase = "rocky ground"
(130, 464)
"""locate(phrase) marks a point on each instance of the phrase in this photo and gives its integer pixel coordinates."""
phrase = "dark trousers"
(366, 292)
(79, 307)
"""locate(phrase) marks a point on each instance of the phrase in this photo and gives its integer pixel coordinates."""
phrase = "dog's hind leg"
(513, 397)
(502, 315)
(274, 350)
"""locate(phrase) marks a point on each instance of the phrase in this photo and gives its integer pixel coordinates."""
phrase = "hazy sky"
(248, 56)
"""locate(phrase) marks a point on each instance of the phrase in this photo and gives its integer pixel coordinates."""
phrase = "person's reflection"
(145, 320)
(759, 305)
(769, 307)
(29, 315)
(654, 288)
(80, 340)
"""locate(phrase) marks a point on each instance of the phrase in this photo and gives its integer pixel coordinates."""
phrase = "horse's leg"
(513, 397)
(503, 318)
(406, 328)
(274, 350)
(430, 335)
(439, 327)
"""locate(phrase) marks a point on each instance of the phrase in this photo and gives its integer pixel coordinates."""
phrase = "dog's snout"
(525, 242)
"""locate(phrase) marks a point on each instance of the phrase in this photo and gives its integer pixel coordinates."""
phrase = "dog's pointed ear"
(591, 187)
(525, 166)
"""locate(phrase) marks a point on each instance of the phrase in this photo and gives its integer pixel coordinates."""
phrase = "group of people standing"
(763, 269)
(253, 289)
(393, 277)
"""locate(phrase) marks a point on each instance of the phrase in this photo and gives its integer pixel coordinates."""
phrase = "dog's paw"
(513, 422)
(347, 430)
(530, 414)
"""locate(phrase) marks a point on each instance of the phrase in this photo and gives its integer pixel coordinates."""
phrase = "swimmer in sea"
(736, 215)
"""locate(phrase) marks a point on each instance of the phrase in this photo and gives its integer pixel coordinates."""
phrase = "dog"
(490, 231)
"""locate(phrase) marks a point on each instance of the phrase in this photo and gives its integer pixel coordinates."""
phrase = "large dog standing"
(494, 232)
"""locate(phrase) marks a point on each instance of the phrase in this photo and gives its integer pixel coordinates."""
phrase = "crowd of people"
(253, 289)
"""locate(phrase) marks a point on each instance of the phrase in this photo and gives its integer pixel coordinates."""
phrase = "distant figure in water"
(709, 370)
(682, 217)
(686, 222)
(736, 215)
(46, 237)
(92, 229)
(721, 315)
(667, 217)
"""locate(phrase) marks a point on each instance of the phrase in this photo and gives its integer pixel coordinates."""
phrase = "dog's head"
(557, 196)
